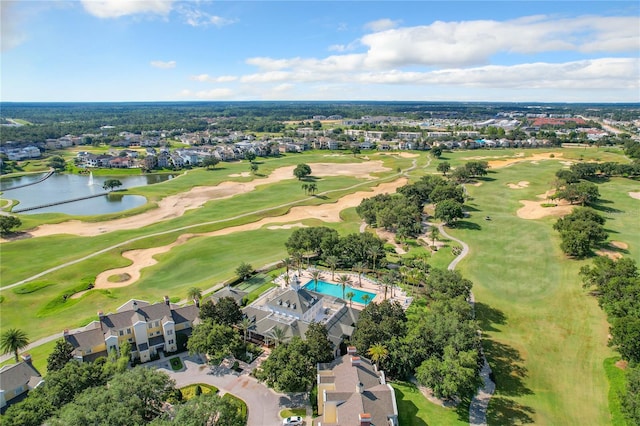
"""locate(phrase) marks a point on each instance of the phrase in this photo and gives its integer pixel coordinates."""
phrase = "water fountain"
(90, 178)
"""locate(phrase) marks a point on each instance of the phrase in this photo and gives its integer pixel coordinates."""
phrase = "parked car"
(292, 421)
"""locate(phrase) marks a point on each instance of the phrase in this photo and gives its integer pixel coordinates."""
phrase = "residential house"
(148, 327)
(351, 391)
(16, 380)
(293, 308)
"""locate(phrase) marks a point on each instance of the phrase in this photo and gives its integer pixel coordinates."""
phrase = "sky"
(165, 50)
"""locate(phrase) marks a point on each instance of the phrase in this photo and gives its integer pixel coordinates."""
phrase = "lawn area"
(415, 410)
(288, 412)
(176, 363)
(544, 337)
(48, 302)
(189, 392)
(39, 356)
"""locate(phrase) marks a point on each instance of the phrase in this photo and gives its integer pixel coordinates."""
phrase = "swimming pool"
(336, 291)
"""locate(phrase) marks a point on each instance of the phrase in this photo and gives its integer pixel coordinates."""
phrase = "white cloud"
(382, 25)
(11, 29)
(118, 8)
(213, 79)
(604, 73)
(163, 64)
(198, 18)
(467, 43)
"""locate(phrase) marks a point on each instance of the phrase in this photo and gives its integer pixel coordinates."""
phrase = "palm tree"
(350, 295)
(365, 298)
(305, 186)
(297, 259)
(332, 261)
(315, 275)
(245, 325)
(13, 340)
(313, 188)
(287, 263)
(378, 353)
(434, 233)
(386, 282)
(278, 335)
(286, 279)
(359, 268)
(343, 280)
(373, 252)
(195, 294)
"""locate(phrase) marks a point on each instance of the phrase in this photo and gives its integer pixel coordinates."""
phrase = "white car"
(292, 421)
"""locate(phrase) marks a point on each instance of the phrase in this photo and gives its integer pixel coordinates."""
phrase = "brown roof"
(377, 399)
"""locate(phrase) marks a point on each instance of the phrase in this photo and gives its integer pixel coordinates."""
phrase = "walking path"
(480, 401)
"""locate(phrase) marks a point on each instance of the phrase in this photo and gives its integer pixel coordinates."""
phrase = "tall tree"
(111, 184)
(8, 223)
(302, 171)
(62, 353)
(443, 167)
(195, 294)
(278, 335)
(315, 275)
(318, 344)
(332, 261)
(344, 281)
(350, 295)
(12, 341)
(244, 270)
(378, 353)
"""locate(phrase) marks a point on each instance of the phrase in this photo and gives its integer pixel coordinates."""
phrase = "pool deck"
(368, 284)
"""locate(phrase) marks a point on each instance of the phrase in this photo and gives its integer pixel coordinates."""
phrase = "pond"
(62, 187)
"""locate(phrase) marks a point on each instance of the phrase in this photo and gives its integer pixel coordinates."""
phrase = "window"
(169, 332)
(150, 325)
(128, 331)
(171, 342)
(121, 332)
(130, 339)
(157, 323)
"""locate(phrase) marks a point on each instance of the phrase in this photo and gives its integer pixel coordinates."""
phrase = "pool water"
(336, 291)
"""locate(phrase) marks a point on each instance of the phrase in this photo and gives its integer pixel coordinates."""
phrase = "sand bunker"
(400, 154)
(143, 258)
(496, 164)
(176, 205)
(519, 185)
(635, 195)
(535, 210)
(288, 226)
(243, 174)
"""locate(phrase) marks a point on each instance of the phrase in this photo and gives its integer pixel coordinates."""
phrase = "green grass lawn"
(189, 391)
(415, 410)
(545, 338)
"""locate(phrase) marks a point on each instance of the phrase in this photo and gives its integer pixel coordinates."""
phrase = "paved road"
(263, 404)
(480, 401)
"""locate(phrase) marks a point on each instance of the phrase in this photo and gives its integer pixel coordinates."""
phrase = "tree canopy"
(302, 171)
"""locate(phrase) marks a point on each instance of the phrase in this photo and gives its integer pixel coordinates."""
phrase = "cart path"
(480, 401)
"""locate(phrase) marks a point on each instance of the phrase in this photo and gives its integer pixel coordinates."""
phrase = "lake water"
(60, 187)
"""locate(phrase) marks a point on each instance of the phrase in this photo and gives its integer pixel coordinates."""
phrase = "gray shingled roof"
(86, 339)
(227, 291)
(293, 302)
(20, 374)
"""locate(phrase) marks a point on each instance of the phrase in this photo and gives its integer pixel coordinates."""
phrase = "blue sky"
(164, 50)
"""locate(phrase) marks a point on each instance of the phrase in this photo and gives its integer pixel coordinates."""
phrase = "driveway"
(263, 404)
